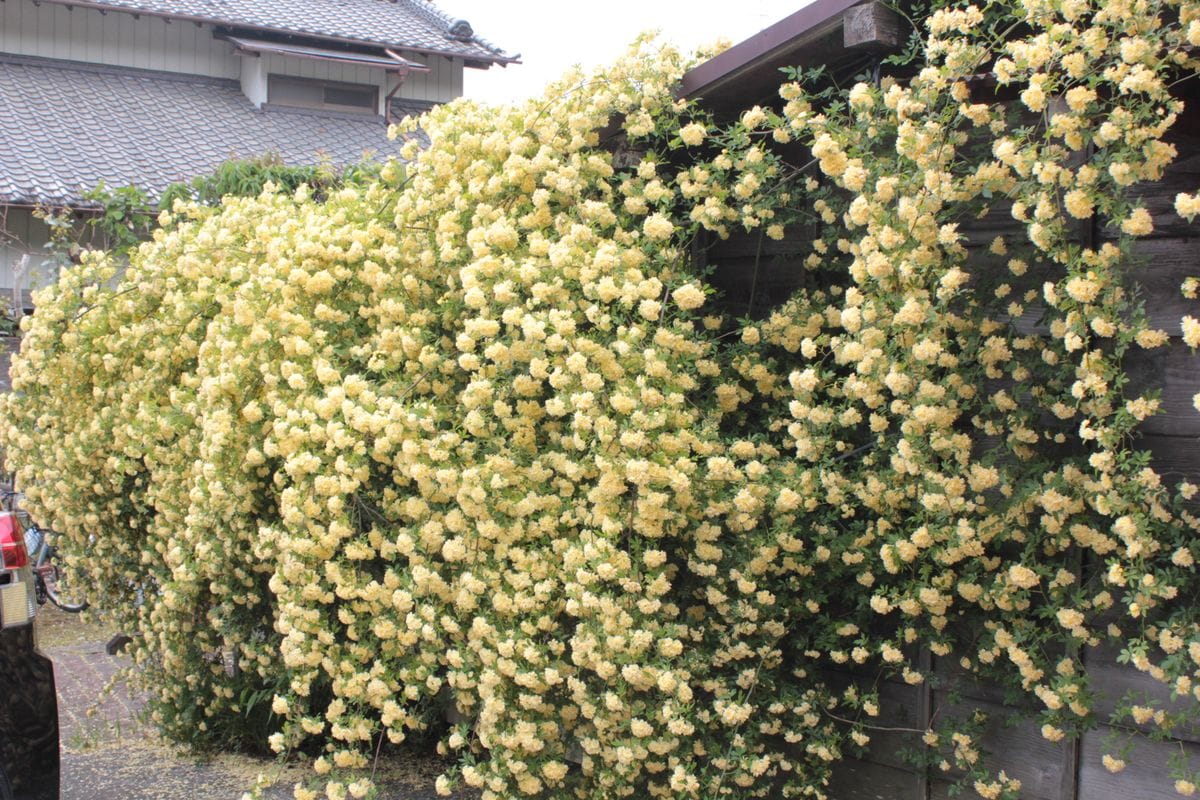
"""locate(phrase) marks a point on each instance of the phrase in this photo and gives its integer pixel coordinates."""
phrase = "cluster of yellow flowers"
(472, 440)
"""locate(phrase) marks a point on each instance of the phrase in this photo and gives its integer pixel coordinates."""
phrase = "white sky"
(552, 35)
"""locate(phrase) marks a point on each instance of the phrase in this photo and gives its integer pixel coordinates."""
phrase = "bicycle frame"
(41, 557)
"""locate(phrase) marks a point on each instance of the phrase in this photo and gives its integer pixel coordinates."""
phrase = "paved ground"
(108, 754)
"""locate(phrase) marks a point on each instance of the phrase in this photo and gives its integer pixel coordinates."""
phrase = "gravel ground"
(108, 753)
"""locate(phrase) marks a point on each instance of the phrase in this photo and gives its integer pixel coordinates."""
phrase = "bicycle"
(41, 558)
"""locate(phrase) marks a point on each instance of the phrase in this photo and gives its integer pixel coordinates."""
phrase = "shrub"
(472, 435)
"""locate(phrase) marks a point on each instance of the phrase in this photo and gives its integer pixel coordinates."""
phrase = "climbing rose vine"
(474, 441)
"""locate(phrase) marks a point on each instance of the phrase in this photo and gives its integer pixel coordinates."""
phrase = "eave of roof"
(391, 61)
(807, 36)
(476, 52)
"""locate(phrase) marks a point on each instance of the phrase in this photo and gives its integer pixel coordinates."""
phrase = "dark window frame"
(320, 90)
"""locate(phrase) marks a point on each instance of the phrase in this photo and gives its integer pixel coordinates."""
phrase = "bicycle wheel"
(49, 580)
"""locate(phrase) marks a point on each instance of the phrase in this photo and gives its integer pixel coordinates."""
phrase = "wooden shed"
(756, 273)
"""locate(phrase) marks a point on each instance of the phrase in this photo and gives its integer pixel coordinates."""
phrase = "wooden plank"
(59, 26)
(108, 34)
(755, 273)
(1015, 746)
(423, 80)
(232, 63)
(950, 676)
(747, 244)
(1175, 371)
(55, 25)
(1162, 266)
(141, 43)
(1147, 772)
(190, 35)
(80, 19)
(93, 46)
(860, 780)
(158, 43)
(1159, 196)
(1173, 457)
(16, 305)
(895, 728)
(998, 221)
(204, 51)
(1069, 788)
(444, 82)
(126, 39)
(10, 25)
(1113, 683)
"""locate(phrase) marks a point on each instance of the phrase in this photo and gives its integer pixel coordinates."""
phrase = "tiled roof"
(412, 24)
(65, 128)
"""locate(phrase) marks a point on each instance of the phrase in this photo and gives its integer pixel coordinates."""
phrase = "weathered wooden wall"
(755, 274)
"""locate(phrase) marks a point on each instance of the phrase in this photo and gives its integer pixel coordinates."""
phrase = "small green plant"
(124, 218)
(10, 324)
(248, 177)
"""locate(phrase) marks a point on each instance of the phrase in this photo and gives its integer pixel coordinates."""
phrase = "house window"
(305, 93)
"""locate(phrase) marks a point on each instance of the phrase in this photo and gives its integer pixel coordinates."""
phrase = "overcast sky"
(551, 35)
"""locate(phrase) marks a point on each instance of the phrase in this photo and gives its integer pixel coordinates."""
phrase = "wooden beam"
(1069, 787)
(924, 715)
(872, 26)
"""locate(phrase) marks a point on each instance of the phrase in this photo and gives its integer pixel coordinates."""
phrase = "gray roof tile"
(411, 24)
(65, 128)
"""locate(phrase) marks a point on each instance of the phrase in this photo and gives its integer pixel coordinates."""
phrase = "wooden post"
(872, 26)
(924, 714)
(1069, 786)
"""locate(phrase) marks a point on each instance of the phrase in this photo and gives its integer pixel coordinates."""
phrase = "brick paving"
(85, 718)
(108, 753)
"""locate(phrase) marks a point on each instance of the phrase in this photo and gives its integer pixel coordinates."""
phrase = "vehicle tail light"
(12, 542)
(17, 605)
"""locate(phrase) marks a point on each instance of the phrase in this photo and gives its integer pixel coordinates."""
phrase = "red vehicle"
(29, 756)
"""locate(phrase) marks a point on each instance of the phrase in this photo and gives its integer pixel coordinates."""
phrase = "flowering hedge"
(475, 435)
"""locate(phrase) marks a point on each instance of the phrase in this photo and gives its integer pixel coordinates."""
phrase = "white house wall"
(83, 34)
(442, 83)
(50, 30)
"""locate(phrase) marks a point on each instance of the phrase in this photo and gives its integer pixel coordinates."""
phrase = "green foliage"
(8, 323)
(247, 178)
(475, 435)
(116, 221)
(120, 219)
(124, 218)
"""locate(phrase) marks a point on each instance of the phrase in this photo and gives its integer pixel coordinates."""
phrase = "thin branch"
(881, 728)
